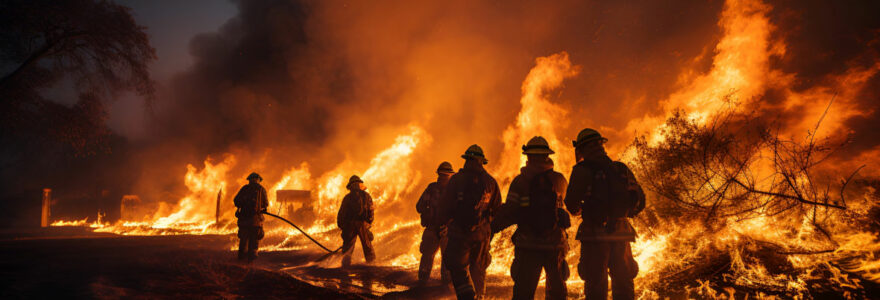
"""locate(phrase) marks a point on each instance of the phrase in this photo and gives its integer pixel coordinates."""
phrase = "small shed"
(296, 205)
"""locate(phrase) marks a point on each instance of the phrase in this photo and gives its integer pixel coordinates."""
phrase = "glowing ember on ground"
(97, 224)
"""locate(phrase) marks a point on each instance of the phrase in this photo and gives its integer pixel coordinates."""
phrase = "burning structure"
(758, 152)
(296, 203)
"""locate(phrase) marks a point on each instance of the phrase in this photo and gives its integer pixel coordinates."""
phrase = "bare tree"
(98, 42)
(95, 44)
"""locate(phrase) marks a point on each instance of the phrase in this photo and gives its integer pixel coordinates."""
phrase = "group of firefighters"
(462, 211)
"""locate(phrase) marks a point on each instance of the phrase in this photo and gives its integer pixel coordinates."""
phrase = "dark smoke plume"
(319, 81)
(323, 81)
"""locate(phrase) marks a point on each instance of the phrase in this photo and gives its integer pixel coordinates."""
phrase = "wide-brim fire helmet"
(353, 180)
(537, 145)
(254, 175)
(586, 136)
(445, 168)
(475, 152)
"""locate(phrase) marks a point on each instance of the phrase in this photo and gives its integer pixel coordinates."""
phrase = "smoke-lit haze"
(285, 82)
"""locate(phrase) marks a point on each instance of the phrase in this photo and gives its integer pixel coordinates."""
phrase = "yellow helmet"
(588, 135)
(475, 152)
(537, 145)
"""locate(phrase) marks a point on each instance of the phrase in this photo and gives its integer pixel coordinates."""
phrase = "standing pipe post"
(47, 201)
(217, 210)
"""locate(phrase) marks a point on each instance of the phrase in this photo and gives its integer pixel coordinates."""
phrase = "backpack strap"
(611, 175)
(537, 186)
(634, 193)
(594, 169)
(474, 181)
(483, 203)
(365, 208)
(362, 197)
(588, 190)
(258, 199)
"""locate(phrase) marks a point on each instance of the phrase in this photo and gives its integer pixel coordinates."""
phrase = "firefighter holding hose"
(354, 219)
(250, 202)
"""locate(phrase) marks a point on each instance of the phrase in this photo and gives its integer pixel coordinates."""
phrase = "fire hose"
(303, 232)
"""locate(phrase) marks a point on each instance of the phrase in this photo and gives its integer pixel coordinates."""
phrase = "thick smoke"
(830, 38)
(286, 82)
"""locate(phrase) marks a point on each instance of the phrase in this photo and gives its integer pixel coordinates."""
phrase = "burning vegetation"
(759, 182)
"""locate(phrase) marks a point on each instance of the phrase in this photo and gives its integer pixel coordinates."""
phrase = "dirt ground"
(73, 262)
(76, 263)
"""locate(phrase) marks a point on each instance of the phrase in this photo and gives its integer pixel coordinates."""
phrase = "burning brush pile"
(740, 210)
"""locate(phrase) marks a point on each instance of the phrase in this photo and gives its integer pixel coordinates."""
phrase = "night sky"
(171, 25)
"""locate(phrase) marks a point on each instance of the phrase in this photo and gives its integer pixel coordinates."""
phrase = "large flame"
(740, 76)
(203, 187)
(293, 179)
(538, 117)
(740, 69)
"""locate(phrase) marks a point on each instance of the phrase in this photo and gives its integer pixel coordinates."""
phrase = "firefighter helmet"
(475, 152)
(354, 179)
(445, 168)
(537, 145)
(588, 135)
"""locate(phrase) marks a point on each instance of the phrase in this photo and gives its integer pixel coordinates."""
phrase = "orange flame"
(537, 117)
(741, 72)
